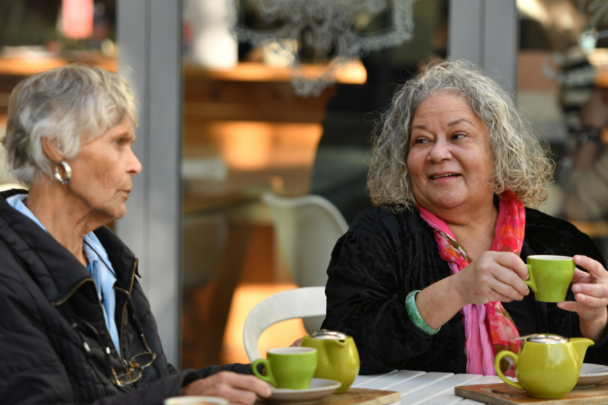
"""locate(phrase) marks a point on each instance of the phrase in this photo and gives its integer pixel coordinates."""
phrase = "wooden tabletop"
(419, 387)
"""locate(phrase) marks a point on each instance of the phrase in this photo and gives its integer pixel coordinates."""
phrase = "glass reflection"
(247, 132)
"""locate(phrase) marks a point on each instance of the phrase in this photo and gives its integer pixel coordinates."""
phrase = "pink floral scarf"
(488, 328)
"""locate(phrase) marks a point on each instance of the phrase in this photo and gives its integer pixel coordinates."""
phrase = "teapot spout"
(580, 346)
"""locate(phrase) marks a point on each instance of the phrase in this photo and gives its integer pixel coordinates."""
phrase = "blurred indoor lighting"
(250, 145)
(245, 298)
(213, 45)
(77, 18)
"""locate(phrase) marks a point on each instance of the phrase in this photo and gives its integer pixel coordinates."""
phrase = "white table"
(419, 387)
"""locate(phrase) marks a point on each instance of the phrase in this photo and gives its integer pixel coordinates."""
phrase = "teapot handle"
(499, 356)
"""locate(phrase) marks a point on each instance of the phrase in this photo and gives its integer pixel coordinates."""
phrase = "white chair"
(307, 229)
(290, 304)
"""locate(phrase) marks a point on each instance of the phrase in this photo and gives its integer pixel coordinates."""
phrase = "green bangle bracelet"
(412, 312)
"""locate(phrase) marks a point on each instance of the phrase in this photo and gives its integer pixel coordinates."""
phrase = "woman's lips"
(444, 176)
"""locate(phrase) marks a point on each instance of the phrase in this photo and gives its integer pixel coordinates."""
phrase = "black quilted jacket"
(384, 256)
(52, 329)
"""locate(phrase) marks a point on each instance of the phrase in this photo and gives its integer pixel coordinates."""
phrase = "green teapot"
(548, 366)
(337, 356)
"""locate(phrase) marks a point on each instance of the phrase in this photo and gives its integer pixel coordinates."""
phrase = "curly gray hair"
(73, 104)
(521, 161)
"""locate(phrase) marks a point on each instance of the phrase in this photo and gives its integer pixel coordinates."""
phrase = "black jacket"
(384, 256)
(52, 329)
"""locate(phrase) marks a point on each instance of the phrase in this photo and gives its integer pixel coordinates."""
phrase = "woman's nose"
(134, 165)
(440, 151)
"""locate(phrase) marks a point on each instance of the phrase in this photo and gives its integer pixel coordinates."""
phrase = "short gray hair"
(73, 104)
(521, 162)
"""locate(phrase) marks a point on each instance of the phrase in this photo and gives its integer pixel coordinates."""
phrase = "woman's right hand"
(493, 276)
(236, 388)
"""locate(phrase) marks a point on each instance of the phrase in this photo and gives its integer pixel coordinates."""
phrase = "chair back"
(307, 228)
(298, 303)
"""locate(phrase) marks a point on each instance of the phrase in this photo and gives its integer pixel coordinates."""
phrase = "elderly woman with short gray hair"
(76, 326)
(431, 278)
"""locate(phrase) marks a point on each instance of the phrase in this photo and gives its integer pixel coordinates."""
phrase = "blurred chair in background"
(204, 239)
(307, 229)
(298, 303)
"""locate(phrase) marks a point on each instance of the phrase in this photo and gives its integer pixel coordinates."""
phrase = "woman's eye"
(421, 140)
(458, 136)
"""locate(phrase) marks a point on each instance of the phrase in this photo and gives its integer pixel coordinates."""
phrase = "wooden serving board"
(503, 394)
(352, 396)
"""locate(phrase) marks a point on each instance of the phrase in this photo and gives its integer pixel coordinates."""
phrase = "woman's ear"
(49, 146)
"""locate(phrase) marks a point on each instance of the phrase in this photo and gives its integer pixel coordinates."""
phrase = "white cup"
(196, 401)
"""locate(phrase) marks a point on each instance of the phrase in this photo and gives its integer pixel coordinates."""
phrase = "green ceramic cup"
(550, 276)
(288, 367)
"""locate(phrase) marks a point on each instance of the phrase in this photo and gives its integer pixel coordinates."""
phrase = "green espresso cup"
(288, 367)
(550, 276)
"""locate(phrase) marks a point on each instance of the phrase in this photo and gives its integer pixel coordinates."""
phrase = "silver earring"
(68, 173)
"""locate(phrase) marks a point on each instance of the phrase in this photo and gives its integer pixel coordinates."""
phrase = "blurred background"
(281, 97)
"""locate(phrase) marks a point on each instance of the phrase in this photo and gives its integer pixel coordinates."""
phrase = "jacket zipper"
(90, 279)
(62, 301)
(56, 304)
(122, 349)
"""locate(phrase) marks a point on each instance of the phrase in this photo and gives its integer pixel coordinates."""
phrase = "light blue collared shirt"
(99, 266)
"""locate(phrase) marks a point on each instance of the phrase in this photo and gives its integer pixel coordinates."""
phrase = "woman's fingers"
(233, 395)
(594, 290)
(513, 262)
(297, 343)
(236, 388)
(572, 306)
(586, 306)
(593, 287)
(504, 292)
(505, 272)
(581, 277)
(246, 382)
(591, 301)
(593, 267)
(494, 276)
(590, 294)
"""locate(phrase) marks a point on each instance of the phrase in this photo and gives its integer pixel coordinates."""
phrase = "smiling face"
(449, 160)
(102, 171)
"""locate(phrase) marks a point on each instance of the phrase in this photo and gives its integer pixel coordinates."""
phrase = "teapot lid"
(546, 338)
(327, 334)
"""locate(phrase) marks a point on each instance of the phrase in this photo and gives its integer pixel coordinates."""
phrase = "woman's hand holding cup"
(493, 276)
(591, 297)
(236, 388)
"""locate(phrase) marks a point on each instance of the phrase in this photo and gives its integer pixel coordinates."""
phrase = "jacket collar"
(55, 269)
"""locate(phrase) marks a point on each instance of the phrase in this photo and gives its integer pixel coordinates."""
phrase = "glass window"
(248, 131)
(33, 38)
(562, 91)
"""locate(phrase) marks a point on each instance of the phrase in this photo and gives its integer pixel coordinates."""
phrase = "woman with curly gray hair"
(76, 326)
(431, 277)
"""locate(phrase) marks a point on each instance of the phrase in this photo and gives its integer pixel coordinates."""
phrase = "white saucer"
(319, 388)
(593, 379)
